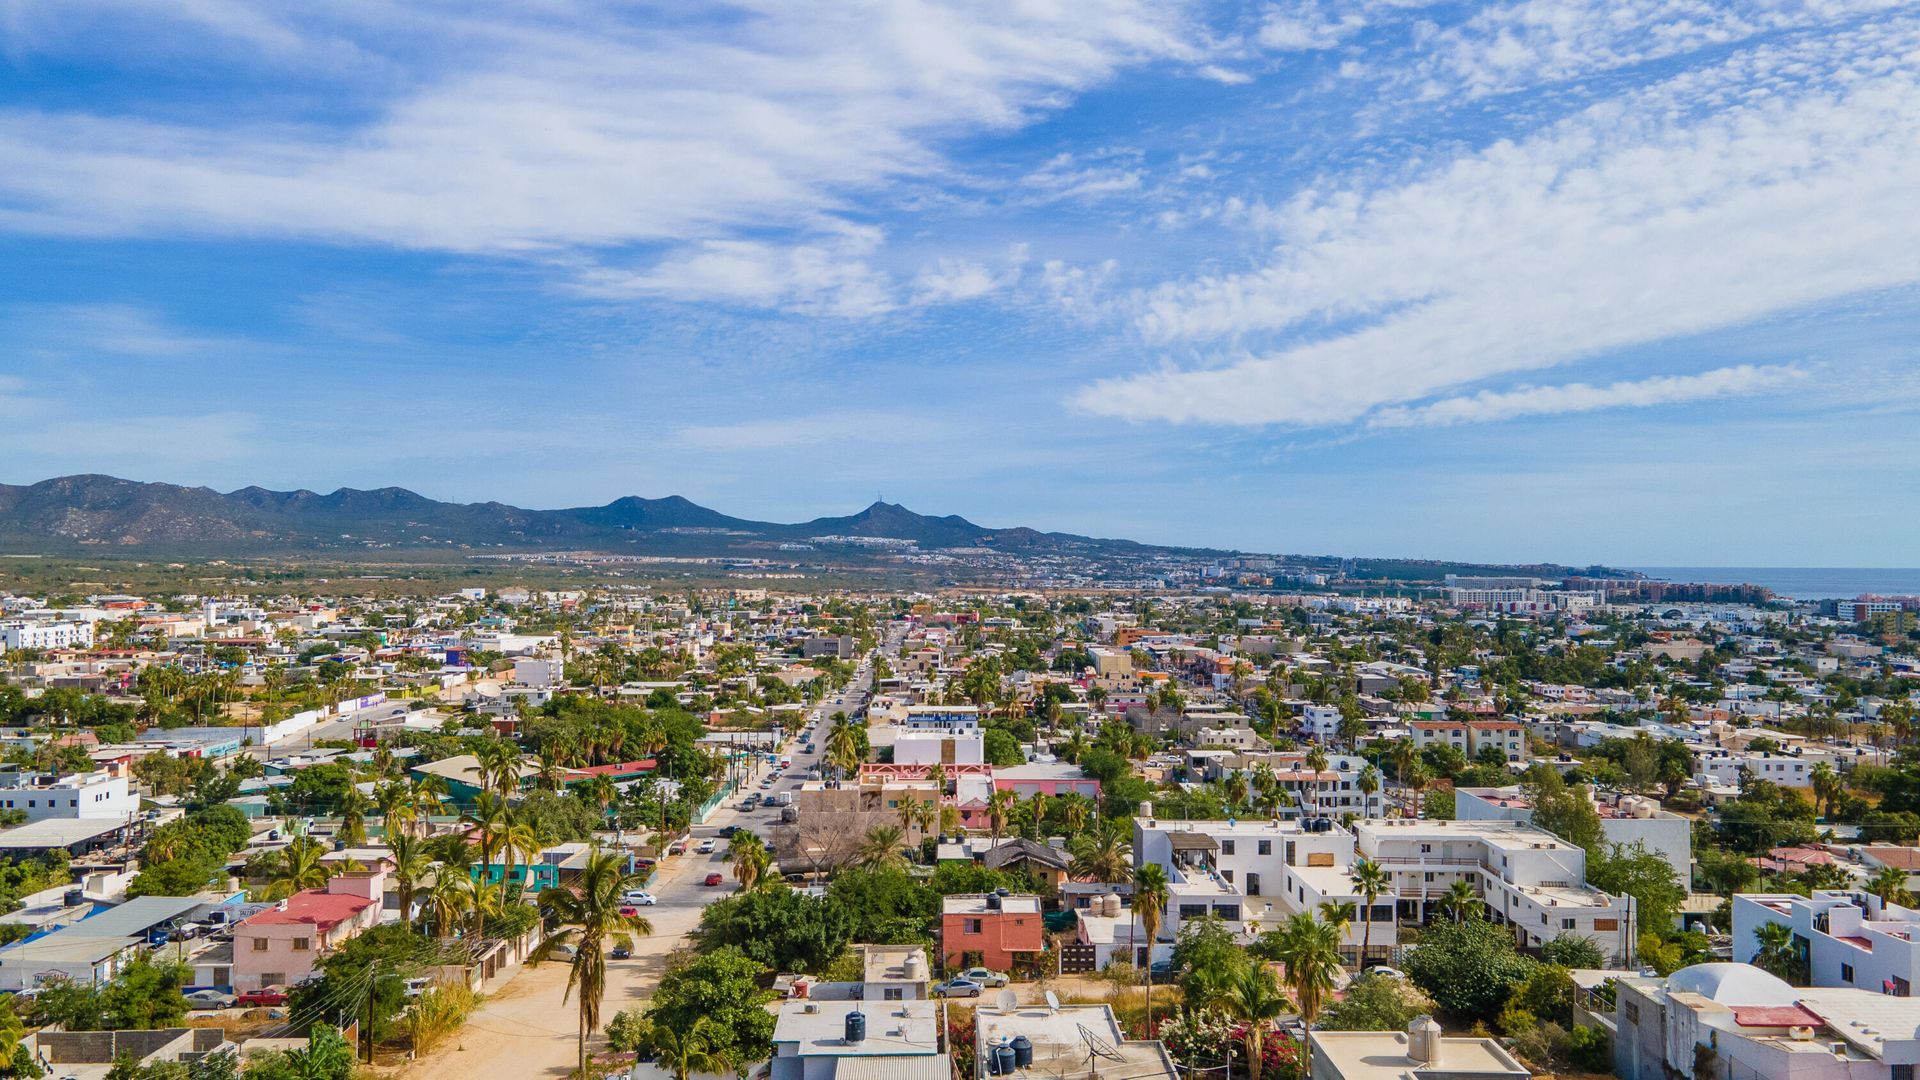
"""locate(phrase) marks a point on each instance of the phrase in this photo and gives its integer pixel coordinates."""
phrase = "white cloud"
(1064, 176)
(1223, 75)
(828, 278)
(1489, 405)
(75, 331)
(955, 279)
(1306, 28)
(555, 126)
(1703, 203)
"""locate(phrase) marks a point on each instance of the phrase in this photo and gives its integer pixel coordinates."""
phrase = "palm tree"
(588, 914)
(410, 865)
(449, 899)
(517, 836)
(691, 1051)
(549, 769)
(1415, 777)
(1149, 906)
(750, 859)
(1827, 789)
(353, 815)
(604, 792)
(1316, 763)
(488, 898)
(301, 867)
(1311, 951)
(1890, 884)
(1368, 783)
(1338, 914)
(882, 847)
(937, 776)
(1461, 902)
(395, 801)
(489, 818)
(1372, 880)
(1254, 997)
(1102, 853)
(999, 804)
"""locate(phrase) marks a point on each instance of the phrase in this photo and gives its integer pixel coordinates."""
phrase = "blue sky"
(1630, 281)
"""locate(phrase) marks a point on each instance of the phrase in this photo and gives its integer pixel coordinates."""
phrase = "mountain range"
(92, 512)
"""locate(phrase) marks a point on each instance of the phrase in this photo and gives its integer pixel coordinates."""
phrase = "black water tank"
(1022, 1052)
(856, 1026)
(1003, 1057)
(993, 902)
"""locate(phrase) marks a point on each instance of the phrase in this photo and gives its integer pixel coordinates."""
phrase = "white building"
(1529, 879)
(953, 719)
(1850, 939)
(539, 673)
(930, 747)
(45, 634)
(92, 796)
(1624, 819)
(889, 1028)
(1724, 768)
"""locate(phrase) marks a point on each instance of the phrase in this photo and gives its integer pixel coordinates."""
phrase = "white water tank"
(1146, 809)
(1423, 1040)
(916, 967)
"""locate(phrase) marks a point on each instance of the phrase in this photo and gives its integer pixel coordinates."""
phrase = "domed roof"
(1733, 984)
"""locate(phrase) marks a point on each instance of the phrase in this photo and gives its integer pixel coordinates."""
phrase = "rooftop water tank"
(916, 967)
(1022, 1052)
(1423, 1040)
(856, 1027)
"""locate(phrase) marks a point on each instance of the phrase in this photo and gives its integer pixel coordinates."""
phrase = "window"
(1566, 924)
(1193, 911)
(1226, 847)
(1429, 875)
(302, 944)
(971, 926)
(1227, 875)
(1846, 973)
(260, 944)
(1426, 849)
(893, 993)
(1266, 847)
(1606, 924)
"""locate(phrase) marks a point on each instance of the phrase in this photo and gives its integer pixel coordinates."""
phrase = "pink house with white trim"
(283, 945)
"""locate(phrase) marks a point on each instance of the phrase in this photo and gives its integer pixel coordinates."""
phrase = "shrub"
(1589, 1049)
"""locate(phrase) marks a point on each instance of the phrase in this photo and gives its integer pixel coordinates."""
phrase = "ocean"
(1799, 582)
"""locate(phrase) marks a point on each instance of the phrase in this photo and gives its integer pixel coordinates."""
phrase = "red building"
(991, 930)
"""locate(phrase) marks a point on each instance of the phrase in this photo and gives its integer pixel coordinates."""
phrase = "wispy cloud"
(1489, 405)
(1778, 179)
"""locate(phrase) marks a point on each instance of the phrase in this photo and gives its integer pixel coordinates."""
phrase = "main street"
(525, 1029)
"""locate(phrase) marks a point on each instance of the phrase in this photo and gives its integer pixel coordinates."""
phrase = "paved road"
(526, 1030)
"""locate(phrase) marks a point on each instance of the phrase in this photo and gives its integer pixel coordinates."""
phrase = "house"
(1735, 1020)
(93, 950)
(1420, 1051)
(1044, 863)
(284, 944)
(885, 1028)
(1044, 1040)
(1847, 938)
(100, 795)
(990, 929)
(1046, 778)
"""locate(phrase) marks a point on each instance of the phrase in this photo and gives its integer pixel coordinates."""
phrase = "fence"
(1076, 959)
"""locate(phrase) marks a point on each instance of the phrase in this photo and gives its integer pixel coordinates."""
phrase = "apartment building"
(990, 929)
(1507, 736)
(1624, 819)
(1256, 874)
(1847, 938)
(1724, 768)
(92, 796)
(918, 747)
(282, 945)
(1529, 879)
(45, 634)
(953, 719)
(1333, 791)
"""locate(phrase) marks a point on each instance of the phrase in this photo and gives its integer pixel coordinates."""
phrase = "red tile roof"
(317, 907)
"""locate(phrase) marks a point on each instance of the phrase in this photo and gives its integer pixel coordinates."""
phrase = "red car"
(266, 995)
(628, 910)
(715, 879)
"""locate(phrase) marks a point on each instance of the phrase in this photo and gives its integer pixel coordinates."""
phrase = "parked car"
(1161, 971)
(266, 995)
(1388, 972)
(985, 977)
(958, 988)
(621, 952)
(418, 985)
(209, 998)
(639, 897)
(705, 848)
(716, 879)
(562, 952)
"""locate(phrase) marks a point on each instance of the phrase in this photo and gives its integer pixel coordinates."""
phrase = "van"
(784, 798)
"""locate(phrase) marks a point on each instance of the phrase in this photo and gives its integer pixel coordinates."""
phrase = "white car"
(705, 848)
(638, 898)
(210, 999)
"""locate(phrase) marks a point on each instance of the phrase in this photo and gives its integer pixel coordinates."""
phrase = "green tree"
(1573, 951)
(1150, 891)
(782, 929)
(721, 986)
(1254, 998)
(1375, 1003)
(1632, 870)
(1468, 968)
(688, 1050)
(1566, 812)
(1371, 881)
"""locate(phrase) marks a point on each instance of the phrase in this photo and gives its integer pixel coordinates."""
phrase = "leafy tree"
(957, 878)
(1253, 997)
(393, 953)
(781, 929)
(1573, 951)
(1566, 812)
(722, 987)
(1632, 870)
(146, 994)
(1002, 749)
(888, 906)
(1206, 958)
(1375, 1003)
(1468, 968)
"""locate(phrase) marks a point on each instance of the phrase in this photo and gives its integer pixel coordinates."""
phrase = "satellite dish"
(1053, 1002)
(1007, 1000)
(1097, 1047)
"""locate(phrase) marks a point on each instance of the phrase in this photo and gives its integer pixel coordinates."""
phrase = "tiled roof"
(314, 906)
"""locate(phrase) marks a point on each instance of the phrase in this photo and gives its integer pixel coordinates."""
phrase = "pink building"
(282, 945)
(1046, 778)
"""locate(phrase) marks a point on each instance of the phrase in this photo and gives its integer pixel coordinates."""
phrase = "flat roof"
(888, 963)
(1382, 1055)
(58, 832)
(1061, 1043)
(894, 1028)
(976, 904)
